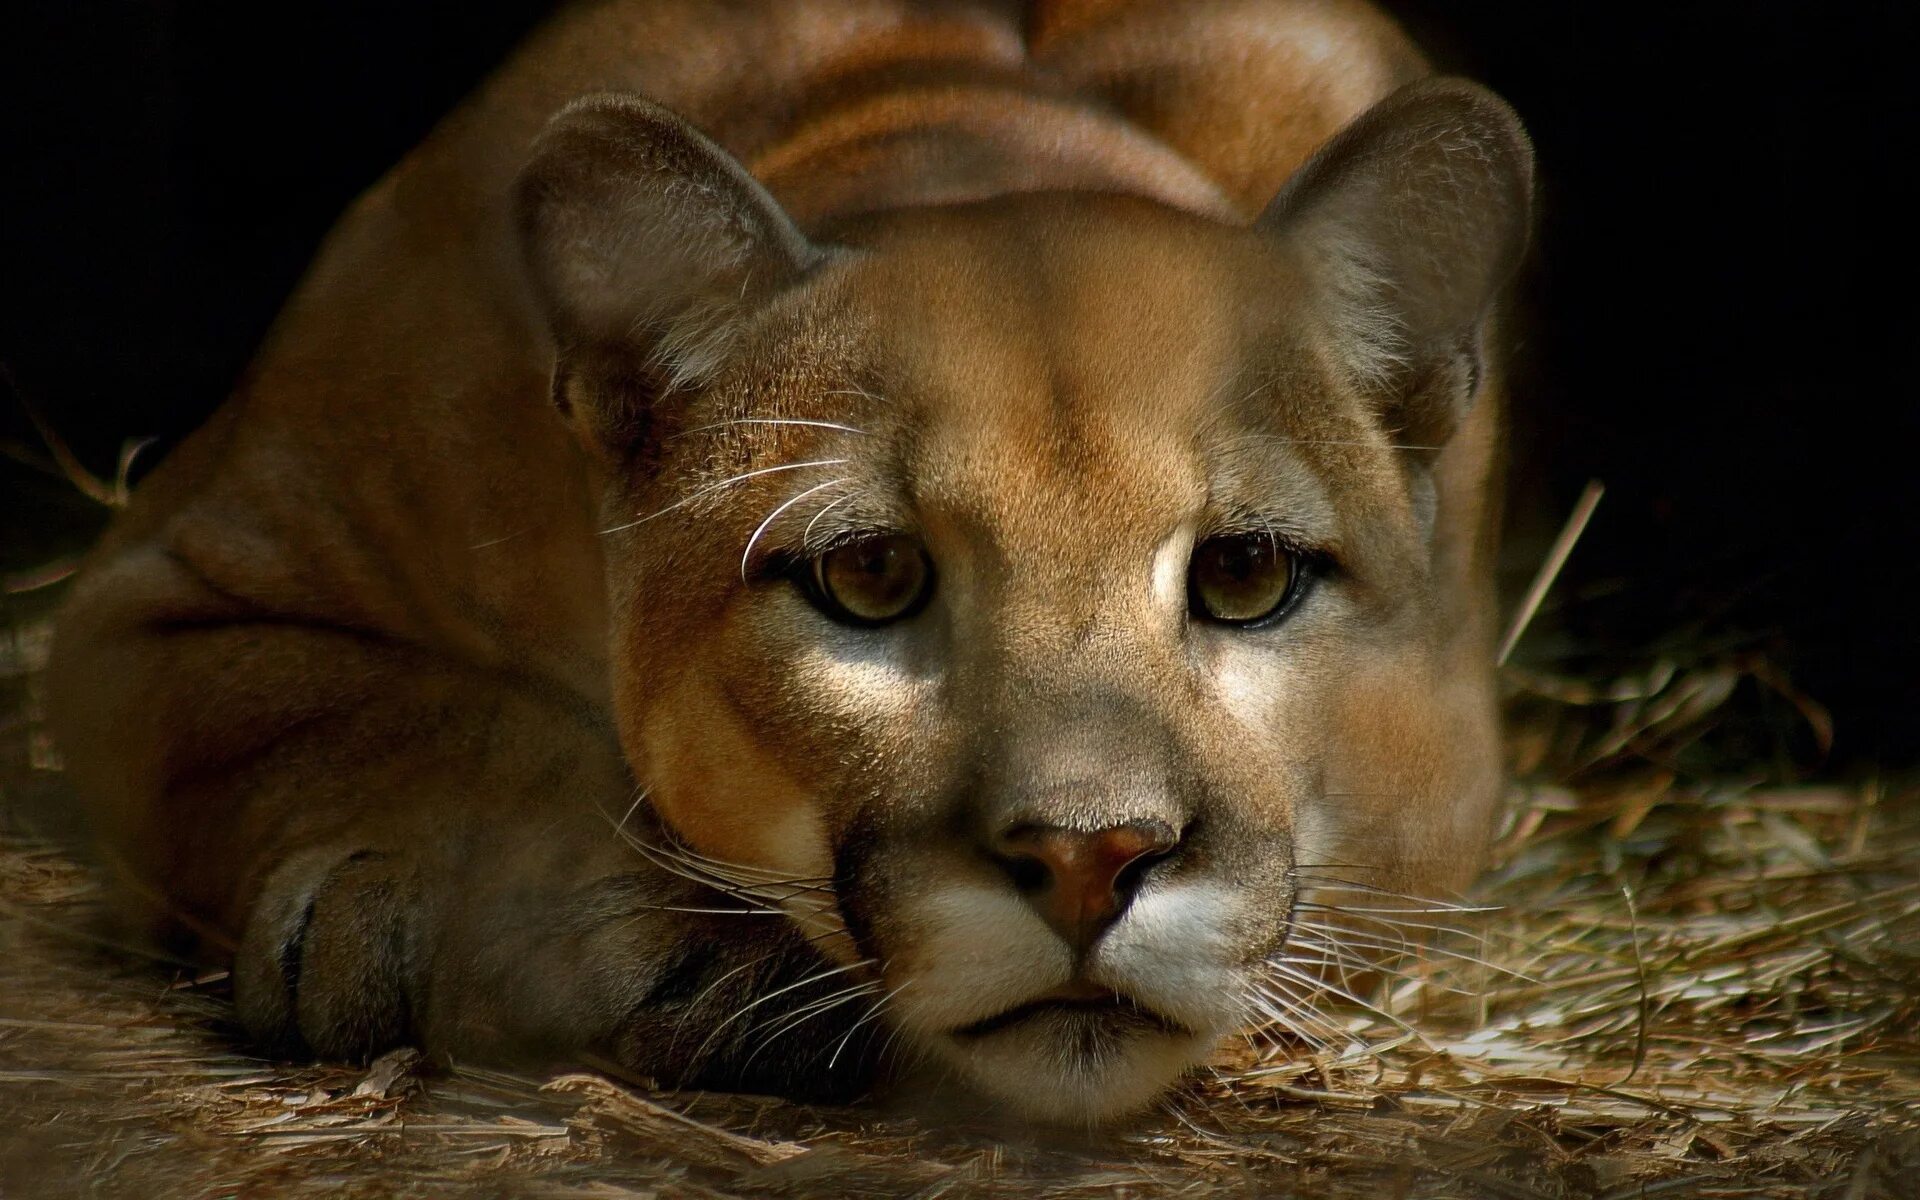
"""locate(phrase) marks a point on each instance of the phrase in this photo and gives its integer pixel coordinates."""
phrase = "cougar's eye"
(1240, 580)
(872, 581)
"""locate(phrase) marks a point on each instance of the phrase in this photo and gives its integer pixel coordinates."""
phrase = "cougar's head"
(1037, 598)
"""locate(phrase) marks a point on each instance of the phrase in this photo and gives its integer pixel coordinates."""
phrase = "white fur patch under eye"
(1170, 570)
(865, 686)
(1249, 680)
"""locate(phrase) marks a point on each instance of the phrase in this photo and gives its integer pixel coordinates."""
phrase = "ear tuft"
(643, 237)
(1413, 219)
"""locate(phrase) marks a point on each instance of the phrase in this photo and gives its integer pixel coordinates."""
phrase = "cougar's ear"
(647, 246)
(1412, 219)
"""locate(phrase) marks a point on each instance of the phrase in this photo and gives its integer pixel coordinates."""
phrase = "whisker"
(693, 1005)
(691, 855)
(1413, 949)
(816, 977)
(855, 391)
(725, 483)
(775, 515)
(1549, 570)
(673, 867)
(772, 421)
(1337, 958)
(718, 912)
(879, 1006)
(1347, 968)
(1271, 1010)
(673, 864)
(1316, 882)
(1273, 439)
(1388, 912)
(788, 1022)
(1347, 938)
(765, 882)
(1296, 1027)
(1294, 1014)
(806, 535)
(915, 1052)
(1373, 916)
(639, 798)
(1288, 969)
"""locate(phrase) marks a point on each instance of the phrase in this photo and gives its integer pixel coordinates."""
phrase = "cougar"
(796, 543)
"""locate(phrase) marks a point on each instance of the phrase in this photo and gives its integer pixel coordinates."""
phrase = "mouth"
(1079, 1005)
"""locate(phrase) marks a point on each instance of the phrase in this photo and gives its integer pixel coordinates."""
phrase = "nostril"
(1028, 872)
(1081, 879)
(1129, 876)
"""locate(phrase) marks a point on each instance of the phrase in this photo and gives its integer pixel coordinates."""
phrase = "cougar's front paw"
(322, 967)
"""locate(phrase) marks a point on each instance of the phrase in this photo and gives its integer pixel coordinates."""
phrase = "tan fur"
(362, 685)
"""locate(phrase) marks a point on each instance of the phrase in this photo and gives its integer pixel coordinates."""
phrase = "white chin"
(1071, 1069)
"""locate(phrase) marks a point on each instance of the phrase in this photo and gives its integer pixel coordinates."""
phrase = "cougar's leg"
(392, 846)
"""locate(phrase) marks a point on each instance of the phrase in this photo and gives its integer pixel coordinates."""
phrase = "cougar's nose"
(1078, 879)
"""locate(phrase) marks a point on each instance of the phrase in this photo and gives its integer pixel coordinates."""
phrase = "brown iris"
(1240, 579)
(873, 580)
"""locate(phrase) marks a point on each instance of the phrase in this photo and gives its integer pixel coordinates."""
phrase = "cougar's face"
(1031, 607)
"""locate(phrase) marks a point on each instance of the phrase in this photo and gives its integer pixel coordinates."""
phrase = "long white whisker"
(776, 994)
(917, 1052)
(740, 871)
(855, 391)
(1286, 968)
(1268, 1010)
(1294, 1014)
(1412, 949)
(639, 798)
(730, 876)
(1299, 1009)
(1418, 912)
(1372, 916)
(879, 1006)
(806, 535)
(775, 515)
(693, 1006)
(1336, 958)
(684, 871)
(1424, 904)
(1346, 967)
(772, 421)
(712, 488)
(715, 912)
(672, 863)
(1347, 964)
(807, 1012)
(1299, 1019)
(1349, 939)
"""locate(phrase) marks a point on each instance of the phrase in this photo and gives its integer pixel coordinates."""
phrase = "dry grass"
(1701, 977)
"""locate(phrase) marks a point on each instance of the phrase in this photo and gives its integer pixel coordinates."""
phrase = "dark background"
(1718, 323)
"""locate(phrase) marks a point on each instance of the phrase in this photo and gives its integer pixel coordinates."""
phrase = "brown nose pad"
(1077, 879)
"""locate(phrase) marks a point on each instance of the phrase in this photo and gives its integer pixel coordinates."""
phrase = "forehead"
(1063, 362)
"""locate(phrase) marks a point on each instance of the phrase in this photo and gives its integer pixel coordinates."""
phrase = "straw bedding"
(1695, 971)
